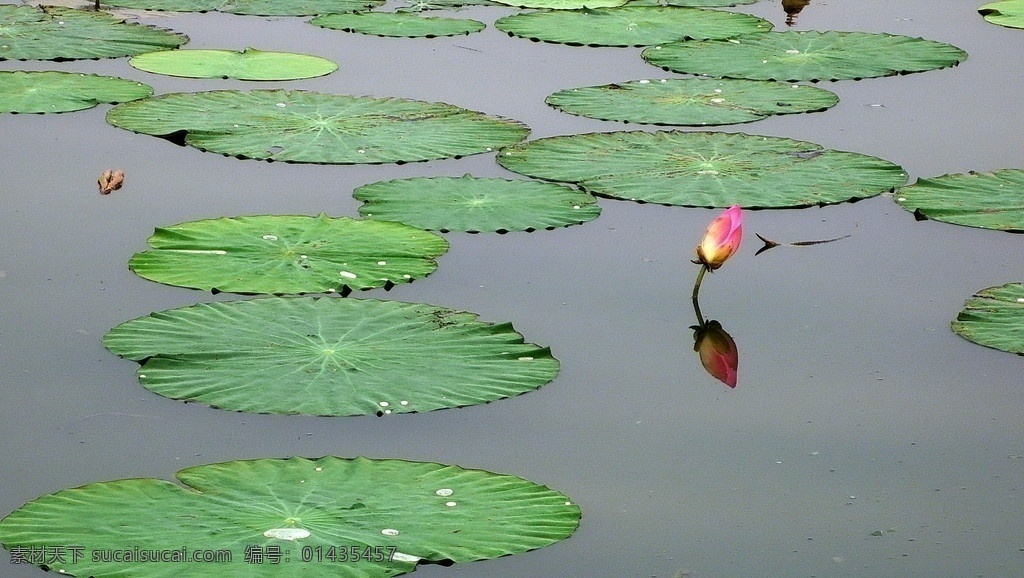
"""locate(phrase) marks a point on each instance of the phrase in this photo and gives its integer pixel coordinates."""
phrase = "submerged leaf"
(312, 127)
(476, 204)
(704, 169)
(52, 91)
(251, 7)
(53, 33)
(987, 200)
(292, 518)
(806, 55)
(250, 64)
(330, 356)
(691, 101)
(994, 317)
(629, 26)
(400, 24)
(288, 254)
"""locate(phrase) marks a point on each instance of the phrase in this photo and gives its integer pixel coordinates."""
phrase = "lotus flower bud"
(722, 238)
(718, 353)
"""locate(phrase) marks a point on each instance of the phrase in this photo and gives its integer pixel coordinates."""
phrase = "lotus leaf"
(629, 26)
(806, 55)
(328, 517)
(1009, 13)
(476, 204)
(994, 317)
(251, 7)
(330, 356)
(425, 5)
(402, 24)
(691, 101)
(312, 127)
(52, 91)
(288, 254)
(52, 33)
(987, 200)
(563, 4)
(704, 169)
(250, 64)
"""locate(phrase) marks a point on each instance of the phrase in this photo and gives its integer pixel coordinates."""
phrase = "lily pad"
(52, 91)
(563, 4)
(291, 518)
(312, 127)
(704, 169)
(987, 200)
(994, 317)
(629, 26)
(476, 204)
(330, 356)
(690, 3)
(691, 101)
(796, 55)
(251, 7)
(288, 254)
(426, 5)
(52, 33)
(250, 64)
(399, 24)
(1009, 13)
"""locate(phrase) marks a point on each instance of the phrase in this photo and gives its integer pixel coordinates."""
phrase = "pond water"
(858, 412)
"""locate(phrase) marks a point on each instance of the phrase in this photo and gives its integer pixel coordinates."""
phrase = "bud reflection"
(717, 351)
(792, 8)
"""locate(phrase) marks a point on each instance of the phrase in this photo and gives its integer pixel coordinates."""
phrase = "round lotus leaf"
(691, 101)
(1009, 13)
(328, 517)
(251, 7)
(806, 55)
(476, 204)
(311, 127)
(52, 91)
(52, 33)
(425, 5)
(563, 4)
(704, 169)
(288, 254)
(330, 356)
(987, 200)
(994, 317)
(250, 64)
(629, 26)
(400, 24)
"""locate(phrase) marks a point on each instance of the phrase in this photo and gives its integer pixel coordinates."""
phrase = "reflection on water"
(792, 8)
(716, 348)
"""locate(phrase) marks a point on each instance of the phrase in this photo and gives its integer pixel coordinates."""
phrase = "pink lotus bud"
(718, 353)
(722, 238)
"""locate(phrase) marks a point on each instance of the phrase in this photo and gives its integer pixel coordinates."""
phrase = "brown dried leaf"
(110, 181)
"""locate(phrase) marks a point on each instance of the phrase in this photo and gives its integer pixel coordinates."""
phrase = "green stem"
(696, 290)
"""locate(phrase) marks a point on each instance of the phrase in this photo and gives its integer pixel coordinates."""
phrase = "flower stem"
(700, 277)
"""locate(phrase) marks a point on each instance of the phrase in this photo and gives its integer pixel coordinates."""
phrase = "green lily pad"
(691, 101)
(399, 24)
(250, 64)
(312, 127)
(1009, 13)
(288, 254)
(994, 317)
(426, 5)
(251, 7)
(690, 3)
(563, 4)
(476, 204)
(52, 91)
(330, 356)
(987, 200)
(704, 169)
(796, 55)
(629, 26)
(52, 33)
(291, 518)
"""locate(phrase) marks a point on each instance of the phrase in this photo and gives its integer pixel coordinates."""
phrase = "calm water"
(857, 410)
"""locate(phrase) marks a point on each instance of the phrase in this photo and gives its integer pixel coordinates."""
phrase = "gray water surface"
(858, 411)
